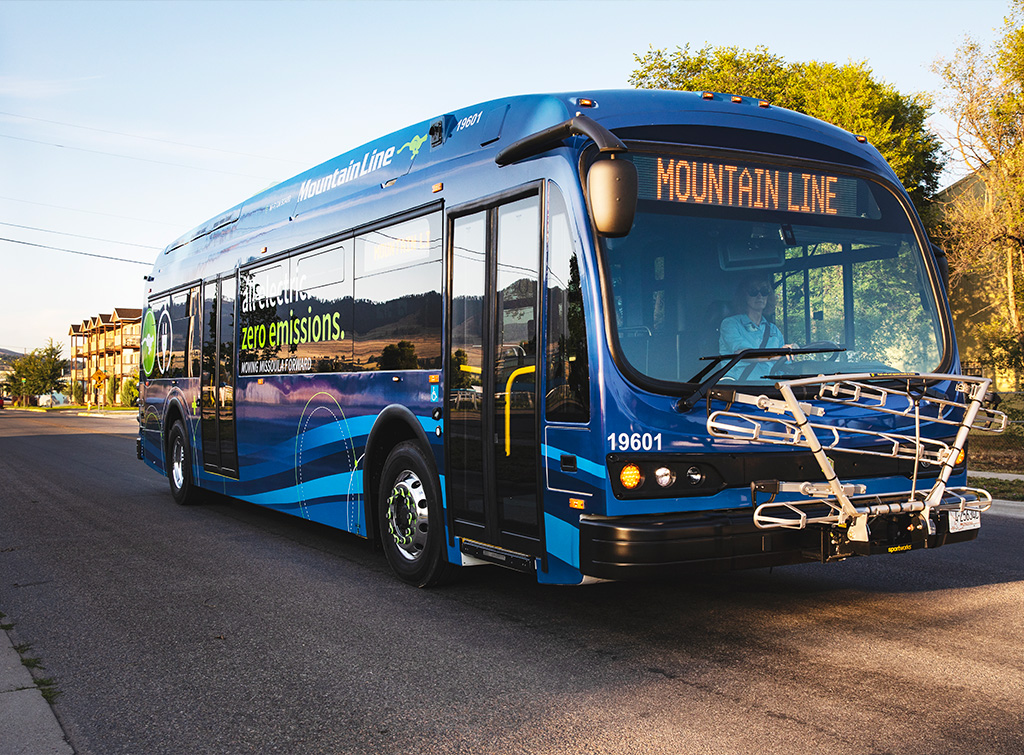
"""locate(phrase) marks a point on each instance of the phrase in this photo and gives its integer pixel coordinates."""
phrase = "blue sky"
(124, 124)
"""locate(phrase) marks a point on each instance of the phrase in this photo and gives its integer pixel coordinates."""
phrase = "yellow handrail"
(508, 405)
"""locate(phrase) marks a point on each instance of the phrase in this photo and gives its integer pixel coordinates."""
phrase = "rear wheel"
(410, 516)
(179, 466)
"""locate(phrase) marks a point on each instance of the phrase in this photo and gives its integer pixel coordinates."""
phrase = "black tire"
(411, 519)
(179, 466)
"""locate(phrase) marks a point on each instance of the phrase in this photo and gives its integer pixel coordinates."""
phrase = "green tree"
(112, 390)
(984, 217)
(847, 96)
(130, 391)
(39, 372)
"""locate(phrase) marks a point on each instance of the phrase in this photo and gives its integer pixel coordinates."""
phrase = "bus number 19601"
(634, 442)
(468, 121)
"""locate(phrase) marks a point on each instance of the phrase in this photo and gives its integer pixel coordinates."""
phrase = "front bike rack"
(901, 404)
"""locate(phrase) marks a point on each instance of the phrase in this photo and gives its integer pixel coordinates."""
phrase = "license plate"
(964, 520)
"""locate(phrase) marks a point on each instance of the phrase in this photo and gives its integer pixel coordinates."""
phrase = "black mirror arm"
(942, 262)
(542, 141)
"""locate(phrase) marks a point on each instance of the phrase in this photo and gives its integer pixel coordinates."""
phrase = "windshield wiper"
(708, 381)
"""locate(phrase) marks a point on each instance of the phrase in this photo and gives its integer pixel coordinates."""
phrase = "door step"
(499, 556)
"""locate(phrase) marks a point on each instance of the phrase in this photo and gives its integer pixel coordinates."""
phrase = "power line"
(93, 212)
(75, 251)
(130, 157)
(152, 139)
(79, 236)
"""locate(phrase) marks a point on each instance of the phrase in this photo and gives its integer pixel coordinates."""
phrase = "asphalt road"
(228, 629)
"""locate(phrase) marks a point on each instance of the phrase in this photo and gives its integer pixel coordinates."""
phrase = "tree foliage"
(847, 96)
(39, 372)
(130, 391)
(78, 392)
(984, 215)
(112, 389)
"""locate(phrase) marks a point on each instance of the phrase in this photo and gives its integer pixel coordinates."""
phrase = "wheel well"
(173, 415)
(393, 426)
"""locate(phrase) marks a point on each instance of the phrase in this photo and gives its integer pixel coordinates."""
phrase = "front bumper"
(651, 546)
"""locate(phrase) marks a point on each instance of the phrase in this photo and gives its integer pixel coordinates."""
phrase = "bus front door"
(492, 381)
(217, 413)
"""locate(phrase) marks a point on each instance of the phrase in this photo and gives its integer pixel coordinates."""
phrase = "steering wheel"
(826, 345)
(783, 367)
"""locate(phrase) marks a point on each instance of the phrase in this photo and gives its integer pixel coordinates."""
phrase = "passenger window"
(397, 318)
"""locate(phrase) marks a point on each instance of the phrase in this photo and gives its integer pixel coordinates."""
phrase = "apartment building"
(105, 347)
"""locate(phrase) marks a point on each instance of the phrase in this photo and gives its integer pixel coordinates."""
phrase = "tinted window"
(296, 314)
(171, 315)
(568, 387)
(725, 257)
(325, 307)
(176, 364)
(398, 296)
(310, 314)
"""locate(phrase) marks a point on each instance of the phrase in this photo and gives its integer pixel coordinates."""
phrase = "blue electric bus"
(596, 336)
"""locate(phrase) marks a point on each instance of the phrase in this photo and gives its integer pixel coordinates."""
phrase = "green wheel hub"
(408, 516)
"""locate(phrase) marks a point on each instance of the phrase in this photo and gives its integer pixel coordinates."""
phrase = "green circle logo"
(148, 342)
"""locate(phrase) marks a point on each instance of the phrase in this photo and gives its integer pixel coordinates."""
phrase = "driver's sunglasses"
(762, 291)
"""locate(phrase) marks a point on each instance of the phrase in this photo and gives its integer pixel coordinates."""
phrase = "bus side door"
(492, 382)
(217, 413)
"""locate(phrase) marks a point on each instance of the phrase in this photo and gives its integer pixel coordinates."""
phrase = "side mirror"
(612, 188)
(943, 264)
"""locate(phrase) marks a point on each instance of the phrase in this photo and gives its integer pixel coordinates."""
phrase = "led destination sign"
(746, 186)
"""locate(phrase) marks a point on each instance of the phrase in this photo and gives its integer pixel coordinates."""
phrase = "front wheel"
(179, 466)
(411, 519)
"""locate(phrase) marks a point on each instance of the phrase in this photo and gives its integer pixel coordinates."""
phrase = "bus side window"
(325, 301)
(176, 366)
(195, 331)
(398, 303)
(161, 345)
(568, 378)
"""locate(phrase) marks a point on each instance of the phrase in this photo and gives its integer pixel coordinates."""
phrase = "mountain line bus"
(606, 335)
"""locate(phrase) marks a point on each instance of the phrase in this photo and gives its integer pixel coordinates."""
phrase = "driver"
(751, 329)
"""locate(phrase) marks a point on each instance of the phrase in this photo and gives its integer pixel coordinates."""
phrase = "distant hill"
(7, 357)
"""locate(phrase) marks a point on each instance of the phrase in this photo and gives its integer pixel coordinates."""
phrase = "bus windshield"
(728, 255)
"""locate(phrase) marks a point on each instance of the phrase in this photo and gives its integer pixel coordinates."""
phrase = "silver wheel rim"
(408, 516)
(178, 464)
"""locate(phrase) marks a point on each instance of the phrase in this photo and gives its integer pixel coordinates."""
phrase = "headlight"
(631, 477)
(664, 476)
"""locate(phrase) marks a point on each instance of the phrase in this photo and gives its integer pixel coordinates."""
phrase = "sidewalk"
(996, 475)
(28, 725)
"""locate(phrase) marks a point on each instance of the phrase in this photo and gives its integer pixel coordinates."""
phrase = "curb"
(28, 725)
